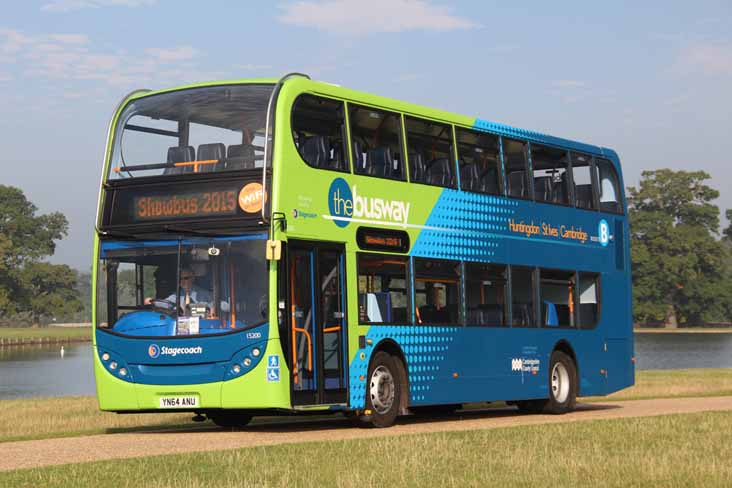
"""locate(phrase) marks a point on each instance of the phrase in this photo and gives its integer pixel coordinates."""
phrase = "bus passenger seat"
(438, 172)
(583, 193)
(379, 162)
(469, 178)
(543, 188)
(561, 195)
(489, 182)
(359, 162)
(416, 166)
(214, 151)
(240, 156)
(178, 154)
(315, 151)
(516, 184)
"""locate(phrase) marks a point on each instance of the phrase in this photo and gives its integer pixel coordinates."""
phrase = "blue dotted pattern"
(532, 136)
(425, 348)
(465, 226)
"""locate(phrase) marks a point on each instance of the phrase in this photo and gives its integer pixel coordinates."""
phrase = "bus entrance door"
(317, 335)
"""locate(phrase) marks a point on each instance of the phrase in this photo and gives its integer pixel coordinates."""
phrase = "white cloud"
(75, 57)
(357, 17)
(71, 5)
(4, 77)
(710, 58)
(175, 54)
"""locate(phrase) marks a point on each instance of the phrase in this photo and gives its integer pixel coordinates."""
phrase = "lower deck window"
(436, 291)
(557, 292)
(485, 294)
(522, 296)
(382, 289)
(589, 300)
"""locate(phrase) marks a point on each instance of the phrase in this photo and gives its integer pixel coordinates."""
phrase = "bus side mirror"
(274, 250)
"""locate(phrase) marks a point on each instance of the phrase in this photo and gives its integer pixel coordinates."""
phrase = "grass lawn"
(675, 450)
(38, 332)
(68, 416)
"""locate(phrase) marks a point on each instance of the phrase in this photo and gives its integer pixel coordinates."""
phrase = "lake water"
(31, 371)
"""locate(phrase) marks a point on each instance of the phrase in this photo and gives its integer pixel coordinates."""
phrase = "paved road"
(48, 452)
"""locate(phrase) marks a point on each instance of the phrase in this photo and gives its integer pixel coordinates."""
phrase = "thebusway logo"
(155, 351)
(346, 205)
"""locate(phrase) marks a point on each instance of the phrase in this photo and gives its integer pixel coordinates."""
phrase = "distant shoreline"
(684, 330)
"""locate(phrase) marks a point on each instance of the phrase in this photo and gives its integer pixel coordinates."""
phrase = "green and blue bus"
(291, 246)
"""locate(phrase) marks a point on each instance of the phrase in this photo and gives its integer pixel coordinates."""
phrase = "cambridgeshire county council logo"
(153, 350)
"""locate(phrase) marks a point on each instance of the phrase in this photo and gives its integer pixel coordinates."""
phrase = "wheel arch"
(390, 347)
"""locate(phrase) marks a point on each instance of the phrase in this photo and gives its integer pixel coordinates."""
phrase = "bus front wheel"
(562, 388)
(383, 391)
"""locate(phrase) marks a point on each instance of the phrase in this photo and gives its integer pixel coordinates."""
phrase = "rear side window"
(582, 178)
(480, 162)
(430, 152)
(514, 153)
(609, 188)
(376, 142)
(550, 172)
(318, 126)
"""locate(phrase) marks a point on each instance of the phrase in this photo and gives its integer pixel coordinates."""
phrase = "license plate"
(179, 401)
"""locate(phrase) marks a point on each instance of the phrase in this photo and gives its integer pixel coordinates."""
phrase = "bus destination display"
(190, 204)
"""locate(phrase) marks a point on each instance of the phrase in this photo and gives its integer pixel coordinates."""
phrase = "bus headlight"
(123, 371)
(256, 352)
(236, 369)
(105, 356)
(247, 362)
(113, 365)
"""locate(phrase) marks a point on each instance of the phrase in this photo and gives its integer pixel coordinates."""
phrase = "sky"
(652, 79)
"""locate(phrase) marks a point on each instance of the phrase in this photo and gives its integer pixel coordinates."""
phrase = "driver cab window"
(204, 288)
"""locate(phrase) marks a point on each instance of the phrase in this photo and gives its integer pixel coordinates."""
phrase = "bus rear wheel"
(383, 391)
(230, 420)
(562, 388)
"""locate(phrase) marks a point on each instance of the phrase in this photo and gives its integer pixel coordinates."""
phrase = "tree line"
(681, 261)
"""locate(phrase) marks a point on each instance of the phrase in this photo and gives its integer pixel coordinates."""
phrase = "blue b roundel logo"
(153, 350)
(603, 232)
(340, 202)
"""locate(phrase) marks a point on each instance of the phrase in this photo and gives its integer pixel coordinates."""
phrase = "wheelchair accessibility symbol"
(273, 368)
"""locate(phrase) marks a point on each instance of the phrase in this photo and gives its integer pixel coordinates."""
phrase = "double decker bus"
(292, 246)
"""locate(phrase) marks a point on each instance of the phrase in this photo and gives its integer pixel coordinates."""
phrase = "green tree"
(728, 231)
(678, 263)
(27, 283)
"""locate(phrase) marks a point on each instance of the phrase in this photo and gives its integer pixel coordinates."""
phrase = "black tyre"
(383, 391)
(562, 388)
(230, 420)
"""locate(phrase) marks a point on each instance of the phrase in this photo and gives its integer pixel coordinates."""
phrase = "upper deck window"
(430, 152)
(582, 178)
(551, 178)
(480, 162)
(516, 161)
(199, 130)
(609, 188)
(318, 126)
(376, 142)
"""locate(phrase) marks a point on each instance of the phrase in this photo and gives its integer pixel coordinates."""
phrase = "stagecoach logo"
(346, 205)
(155, 351)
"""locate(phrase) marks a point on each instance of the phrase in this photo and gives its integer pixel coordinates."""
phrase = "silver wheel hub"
(560, 383)
(381, 389)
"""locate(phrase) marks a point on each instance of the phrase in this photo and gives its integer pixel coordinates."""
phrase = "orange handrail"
(335, 328)
(195, 164)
